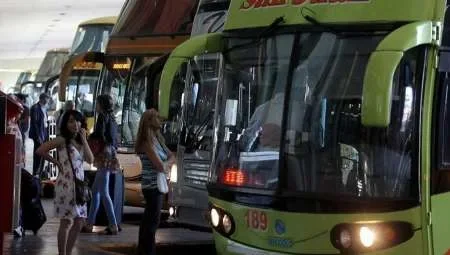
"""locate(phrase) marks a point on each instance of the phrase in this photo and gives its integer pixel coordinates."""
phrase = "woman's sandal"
(88, 228)
(110, 230)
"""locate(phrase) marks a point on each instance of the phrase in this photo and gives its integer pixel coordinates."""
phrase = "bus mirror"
(377, 89)
(444, 60)
(231, 109)
(208, 43)
(378, 79)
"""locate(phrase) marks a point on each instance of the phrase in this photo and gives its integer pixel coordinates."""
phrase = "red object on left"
(13, 107)
(10, 170)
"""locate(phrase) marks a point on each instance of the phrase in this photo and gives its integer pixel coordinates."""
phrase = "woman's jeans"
(100, 189)
(150, 221)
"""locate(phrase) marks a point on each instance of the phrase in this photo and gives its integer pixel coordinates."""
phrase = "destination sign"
(253, 4)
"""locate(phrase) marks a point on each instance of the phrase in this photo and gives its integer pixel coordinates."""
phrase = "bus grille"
(196, 172)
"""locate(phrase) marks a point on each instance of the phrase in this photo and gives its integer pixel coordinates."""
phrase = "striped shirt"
(149, 172)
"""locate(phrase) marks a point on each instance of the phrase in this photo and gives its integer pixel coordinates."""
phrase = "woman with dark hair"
(73, 149)
(106, 162)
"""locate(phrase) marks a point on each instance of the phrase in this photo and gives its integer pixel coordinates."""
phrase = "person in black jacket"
(105, 130)
(38, 130)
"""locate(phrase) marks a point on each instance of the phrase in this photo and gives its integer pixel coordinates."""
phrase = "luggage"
(33, 214)
(116, 191)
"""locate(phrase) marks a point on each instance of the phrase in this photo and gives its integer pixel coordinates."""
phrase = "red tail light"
(235, 177)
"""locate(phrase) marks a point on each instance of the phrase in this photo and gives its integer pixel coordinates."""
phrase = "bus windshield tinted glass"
(91, 38)
(314, 99)
(134, 106)
(51, 65)
(114, 83)
(210, 17)
(252, 101)
(81, 90)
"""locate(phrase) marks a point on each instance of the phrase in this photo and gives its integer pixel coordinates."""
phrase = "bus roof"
(152, 17)
(260, 13)
(101, 20)
(52, 64)
(151, 26)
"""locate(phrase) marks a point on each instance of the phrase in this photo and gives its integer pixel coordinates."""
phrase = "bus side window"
(441, 175)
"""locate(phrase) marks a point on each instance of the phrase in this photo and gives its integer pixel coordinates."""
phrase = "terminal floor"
(170, 240)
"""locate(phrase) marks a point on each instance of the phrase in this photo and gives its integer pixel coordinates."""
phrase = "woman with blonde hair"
(155, 157)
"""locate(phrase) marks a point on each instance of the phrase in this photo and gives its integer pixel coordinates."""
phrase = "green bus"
(188, 197)
(330, 127)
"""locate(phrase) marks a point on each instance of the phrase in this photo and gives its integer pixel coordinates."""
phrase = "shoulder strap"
(70, 161)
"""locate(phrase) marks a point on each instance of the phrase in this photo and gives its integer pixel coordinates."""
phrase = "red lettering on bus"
(247, 4)
(256, 220)
(298, 2)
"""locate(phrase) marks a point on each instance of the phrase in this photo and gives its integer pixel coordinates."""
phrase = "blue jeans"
(100, 189)
(150, 221)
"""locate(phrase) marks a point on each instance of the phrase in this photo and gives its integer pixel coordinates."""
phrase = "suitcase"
(33, 214)
(116, 191)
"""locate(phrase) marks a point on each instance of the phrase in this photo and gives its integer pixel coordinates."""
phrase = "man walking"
(38, 130)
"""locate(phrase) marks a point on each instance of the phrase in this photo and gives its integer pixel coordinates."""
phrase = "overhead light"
(11, 70)
(62, 13)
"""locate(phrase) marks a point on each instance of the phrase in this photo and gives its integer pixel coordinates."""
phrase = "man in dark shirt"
(38, 130)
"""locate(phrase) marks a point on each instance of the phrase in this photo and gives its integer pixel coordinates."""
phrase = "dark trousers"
(38, 161)
(150, 221)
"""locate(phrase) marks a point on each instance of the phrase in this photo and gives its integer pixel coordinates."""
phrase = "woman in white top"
(73, 149)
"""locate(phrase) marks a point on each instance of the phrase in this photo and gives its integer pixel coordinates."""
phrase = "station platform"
(170, 239)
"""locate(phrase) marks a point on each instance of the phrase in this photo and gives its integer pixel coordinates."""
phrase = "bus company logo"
(280, 242)
(254, 4)
(280, 228)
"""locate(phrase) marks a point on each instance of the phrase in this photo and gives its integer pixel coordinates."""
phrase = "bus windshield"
(81, 90)
(290, 108)
(210, 17)
(134, 106)
(116, 75)
(91, 38)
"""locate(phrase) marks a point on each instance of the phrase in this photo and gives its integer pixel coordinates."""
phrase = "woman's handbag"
(162, 182)
(96, 145)
(82, 191)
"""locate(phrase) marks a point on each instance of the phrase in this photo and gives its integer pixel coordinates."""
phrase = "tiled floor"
(168, 239)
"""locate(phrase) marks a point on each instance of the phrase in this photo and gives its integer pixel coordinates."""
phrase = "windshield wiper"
(315, 22)
(266, 32)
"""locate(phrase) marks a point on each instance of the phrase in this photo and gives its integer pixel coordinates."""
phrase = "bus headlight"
(370, 236)
(367, 236)
(227, 224)
(221, 221)
(174, 173)
(171, 211)
(345, 237)
(215, 217)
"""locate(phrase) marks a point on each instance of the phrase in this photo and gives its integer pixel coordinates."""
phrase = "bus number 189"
(256, 220)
